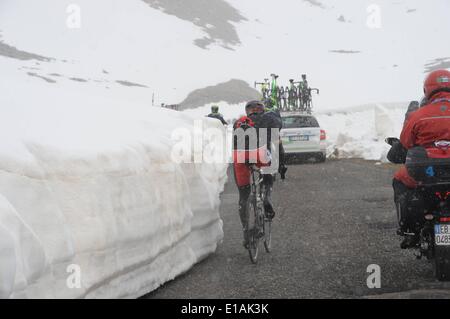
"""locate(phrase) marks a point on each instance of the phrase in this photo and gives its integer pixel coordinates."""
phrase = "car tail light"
(323, 135)
(445, 219)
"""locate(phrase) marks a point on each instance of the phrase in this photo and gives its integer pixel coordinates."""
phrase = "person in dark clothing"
(216, 115)
(257, 118)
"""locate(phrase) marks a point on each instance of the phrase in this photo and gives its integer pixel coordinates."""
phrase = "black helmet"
(253, 107)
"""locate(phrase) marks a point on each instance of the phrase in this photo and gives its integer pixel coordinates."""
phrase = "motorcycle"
(430, 167)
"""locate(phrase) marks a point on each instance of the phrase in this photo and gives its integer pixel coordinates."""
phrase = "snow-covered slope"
(338, 44)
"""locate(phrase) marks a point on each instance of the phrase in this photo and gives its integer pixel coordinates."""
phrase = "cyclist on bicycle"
(256, 149)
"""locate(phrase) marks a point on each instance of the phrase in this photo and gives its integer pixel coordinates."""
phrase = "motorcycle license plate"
(299, 138)
(442, 235)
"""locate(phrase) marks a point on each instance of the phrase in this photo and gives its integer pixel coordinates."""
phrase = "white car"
(302, 136)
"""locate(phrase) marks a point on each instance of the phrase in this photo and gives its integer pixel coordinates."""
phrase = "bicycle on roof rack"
(296, 97)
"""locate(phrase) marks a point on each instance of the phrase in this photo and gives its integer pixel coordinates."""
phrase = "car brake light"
(323, 135)
(445, 219)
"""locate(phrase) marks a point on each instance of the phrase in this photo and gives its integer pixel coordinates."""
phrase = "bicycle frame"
(261, 228)
(257, 180)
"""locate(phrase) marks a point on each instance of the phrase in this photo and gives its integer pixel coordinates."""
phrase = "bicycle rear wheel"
(268, 234)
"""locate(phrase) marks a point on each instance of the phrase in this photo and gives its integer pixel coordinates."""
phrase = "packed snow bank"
(359, 132)
(91, 190)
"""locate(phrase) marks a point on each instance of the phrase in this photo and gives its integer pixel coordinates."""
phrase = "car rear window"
(299, 122)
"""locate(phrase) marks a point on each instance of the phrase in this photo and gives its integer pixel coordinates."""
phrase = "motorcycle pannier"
(428, 167)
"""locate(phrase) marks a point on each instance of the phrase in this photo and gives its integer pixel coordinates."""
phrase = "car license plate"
(442, 235)
(299, 138)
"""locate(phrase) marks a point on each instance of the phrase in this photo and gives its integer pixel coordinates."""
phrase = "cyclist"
(256, 118)
(216, 115)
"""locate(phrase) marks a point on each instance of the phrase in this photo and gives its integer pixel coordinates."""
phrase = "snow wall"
(359, 132)
(91, 204)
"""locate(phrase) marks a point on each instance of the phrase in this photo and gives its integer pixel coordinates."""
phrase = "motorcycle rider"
(257, 118)
(216, 115)
(423, 127)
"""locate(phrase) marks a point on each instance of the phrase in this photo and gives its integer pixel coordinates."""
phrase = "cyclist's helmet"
(437, 81)
(254, 107)
(215, 109)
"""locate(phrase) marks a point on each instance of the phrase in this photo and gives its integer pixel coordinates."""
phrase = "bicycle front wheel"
(253, 233)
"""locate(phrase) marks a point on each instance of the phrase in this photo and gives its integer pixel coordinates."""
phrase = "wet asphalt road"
(334, 220)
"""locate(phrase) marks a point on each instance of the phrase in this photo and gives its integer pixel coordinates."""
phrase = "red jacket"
(425, 126)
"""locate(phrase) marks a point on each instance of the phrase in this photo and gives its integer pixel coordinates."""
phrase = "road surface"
(333, 221)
